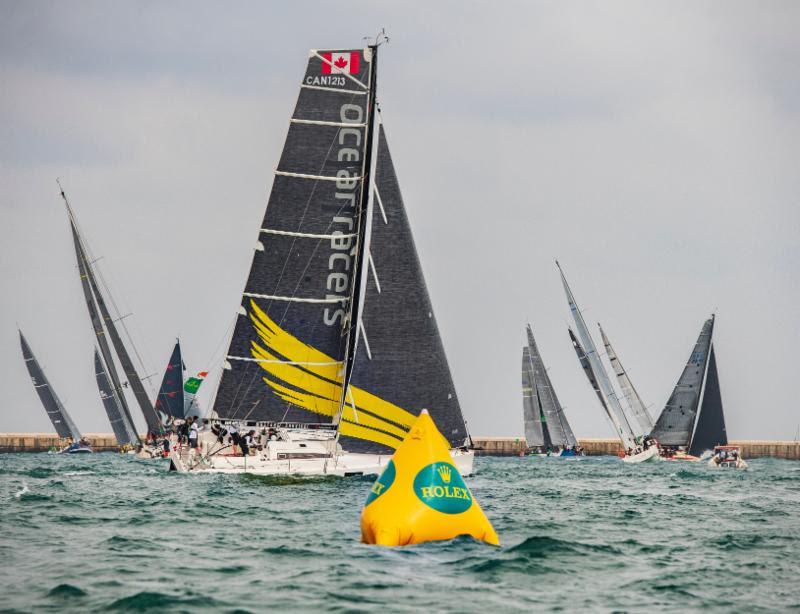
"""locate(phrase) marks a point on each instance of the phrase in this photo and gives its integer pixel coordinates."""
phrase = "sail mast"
(356, 298)
(599, 371)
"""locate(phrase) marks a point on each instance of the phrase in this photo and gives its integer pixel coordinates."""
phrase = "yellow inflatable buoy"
(421, 497)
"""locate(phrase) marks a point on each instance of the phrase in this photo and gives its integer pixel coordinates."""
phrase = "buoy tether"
(421, 496)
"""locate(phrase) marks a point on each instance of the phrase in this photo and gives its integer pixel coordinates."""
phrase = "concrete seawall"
(513, 446)
(42, 442)
(486, 446)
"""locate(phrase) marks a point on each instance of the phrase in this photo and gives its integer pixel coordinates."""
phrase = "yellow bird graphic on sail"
(303, 376)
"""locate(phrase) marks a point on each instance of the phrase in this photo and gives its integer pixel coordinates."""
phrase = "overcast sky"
(653, 148)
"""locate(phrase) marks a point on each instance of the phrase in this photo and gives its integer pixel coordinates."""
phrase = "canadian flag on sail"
(337, 63)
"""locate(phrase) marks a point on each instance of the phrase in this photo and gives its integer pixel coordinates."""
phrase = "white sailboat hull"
(649, 455)
(311, 458)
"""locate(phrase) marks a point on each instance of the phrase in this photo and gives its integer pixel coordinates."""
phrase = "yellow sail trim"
(308, 385)
(360, 432)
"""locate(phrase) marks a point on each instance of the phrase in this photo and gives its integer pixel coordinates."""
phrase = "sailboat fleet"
(336, 351)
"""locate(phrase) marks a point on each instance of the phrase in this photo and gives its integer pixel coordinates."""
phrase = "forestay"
(56, 411)
(676, 422)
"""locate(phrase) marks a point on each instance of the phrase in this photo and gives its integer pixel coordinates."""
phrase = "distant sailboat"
(104, 327)
(336, 350)
(601, 383)
(546, 426)
(177, 396)
(628, 391)
(170, 401)
(692, 420)
(63, 423)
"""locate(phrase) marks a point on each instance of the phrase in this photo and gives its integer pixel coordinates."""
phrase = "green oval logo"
(441, 487)
(382, 484)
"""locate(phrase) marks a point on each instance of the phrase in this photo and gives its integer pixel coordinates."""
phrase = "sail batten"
(59, 417)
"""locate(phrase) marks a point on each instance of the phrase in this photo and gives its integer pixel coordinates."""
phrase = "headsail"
(710, 429)
(605, 388)
(124, 432)
(555, 422)
(400, 366)
(676, 422)
(286, 358)
(170, 395)
(56, 411)
(628, 391)
(531, 412)
(587, 369)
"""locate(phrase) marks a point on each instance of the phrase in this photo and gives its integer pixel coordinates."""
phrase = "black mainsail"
(675, 424)
(124, 432)
(63, 423)
(710, 430)
(170, 395)
(547, 409)
(335, 322)
(286, 359)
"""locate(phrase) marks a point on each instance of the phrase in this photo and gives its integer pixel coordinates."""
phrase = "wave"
(151, 601)
(66, 591)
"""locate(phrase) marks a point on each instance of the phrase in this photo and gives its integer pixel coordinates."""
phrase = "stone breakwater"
(513, 446)
(485, 446)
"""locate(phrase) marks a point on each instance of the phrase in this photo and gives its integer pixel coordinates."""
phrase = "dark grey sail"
(97, 323)
(132, 376)
(400, 363)
(557, 428)
(170, 395)
(58, 415)
(124, 432)
(710, 429)
(286, 359)
(675, 424)
(531, 412)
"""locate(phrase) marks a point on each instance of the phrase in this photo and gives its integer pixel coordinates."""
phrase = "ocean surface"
(108, 532)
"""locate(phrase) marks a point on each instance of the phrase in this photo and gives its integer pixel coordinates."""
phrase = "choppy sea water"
(108, 532)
